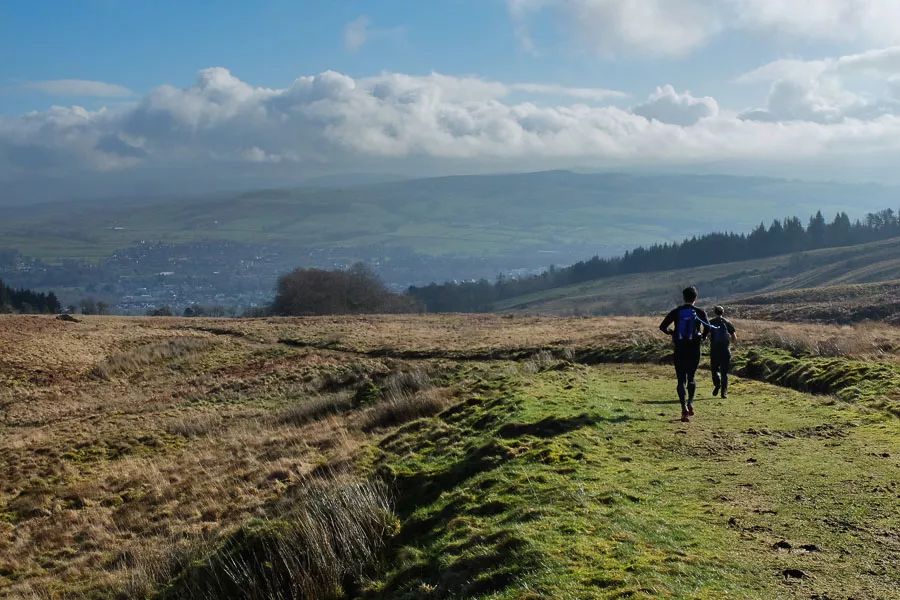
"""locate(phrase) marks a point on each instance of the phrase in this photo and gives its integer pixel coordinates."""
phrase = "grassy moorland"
(441, 457)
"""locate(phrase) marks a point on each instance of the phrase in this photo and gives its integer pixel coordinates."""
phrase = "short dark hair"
(720, 310)
(689, 294)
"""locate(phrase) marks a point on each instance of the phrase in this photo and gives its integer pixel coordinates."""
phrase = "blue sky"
(104, 88)
(140, 45)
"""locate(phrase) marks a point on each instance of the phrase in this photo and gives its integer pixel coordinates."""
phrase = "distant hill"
(746, 283)
(553, 217)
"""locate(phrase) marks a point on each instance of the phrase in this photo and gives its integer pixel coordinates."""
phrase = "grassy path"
(579, 482)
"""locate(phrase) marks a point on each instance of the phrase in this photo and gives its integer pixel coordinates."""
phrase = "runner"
(691, 328)
(720, 339)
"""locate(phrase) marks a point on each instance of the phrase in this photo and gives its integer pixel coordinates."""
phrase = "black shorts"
(687, 358)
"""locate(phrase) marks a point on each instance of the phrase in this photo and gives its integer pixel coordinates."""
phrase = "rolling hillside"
(729, 282)
(543, 218)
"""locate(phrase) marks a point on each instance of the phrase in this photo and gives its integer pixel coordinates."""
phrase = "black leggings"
(686, 362)
(720, 361)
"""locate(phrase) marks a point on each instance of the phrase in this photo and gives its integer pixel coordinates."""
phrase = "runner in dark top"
(690, 329)
(720, 350)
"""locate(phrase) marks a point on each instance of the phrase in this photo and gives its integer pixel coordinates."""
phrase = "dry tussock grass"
(144, 355)
(315, 408)
(401, 407)
(333, 533)
(108, 482)
(863, 340)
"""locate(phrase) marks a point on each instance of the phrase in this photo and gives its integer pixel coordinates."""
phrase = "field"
(469, 456)
(835, 269)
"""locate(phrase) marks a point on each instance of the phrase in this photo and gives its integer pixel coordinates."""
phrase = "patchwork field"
(442, 457)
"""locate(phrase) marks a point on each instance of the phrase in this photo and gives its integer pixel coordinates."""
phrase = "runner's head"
(690, 294)
(720, 311)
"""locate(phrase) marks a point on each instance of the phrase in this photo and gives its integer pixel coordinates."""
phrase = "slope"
(829, 304)
(729, 282)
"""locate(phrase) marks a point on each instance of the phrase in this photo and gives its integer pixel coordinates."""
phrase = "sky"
(129, 95)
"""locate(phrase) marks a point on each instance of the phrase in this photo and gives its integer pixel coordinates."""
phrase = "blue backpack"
(686, 324)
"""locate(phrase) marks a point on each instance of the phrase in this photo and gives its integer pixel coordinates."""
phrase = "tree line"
(27, 301)
(780, 237)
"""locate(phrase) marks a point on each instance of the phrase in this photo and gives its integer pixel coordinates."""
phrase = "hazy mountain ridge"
(573, 214)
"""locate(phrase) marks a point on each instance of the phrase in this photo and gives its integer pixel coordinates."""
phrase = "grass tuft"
(401, 407)
(323, 548)
(313, 409)
(148, 354)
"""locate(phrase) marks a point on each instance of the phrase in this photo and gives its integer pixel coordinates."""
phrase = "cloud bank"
(335, 121)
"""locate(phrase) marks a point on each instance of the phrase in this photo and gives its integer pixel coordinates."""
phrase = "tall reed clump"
(322, 548)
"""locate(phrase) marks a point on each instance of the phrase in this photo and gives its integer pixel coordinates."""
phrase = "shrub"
(354, 291)
(366, 394)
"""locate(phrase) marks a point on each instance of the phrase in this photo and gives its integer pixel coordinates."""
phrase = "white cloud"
(829, 89)
(786, 68)
(668, 106)
(879, 62)
(340, 121)
(873, 21)
(614, 27)
(356, 33)
(78, 87)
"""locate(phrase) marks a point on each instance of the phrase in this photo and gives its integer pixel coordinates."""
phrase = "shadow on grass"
(554, 426)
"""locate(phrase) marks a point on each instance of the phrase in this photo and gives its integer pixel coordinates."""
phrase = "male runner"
(720, 340)
(691, 328)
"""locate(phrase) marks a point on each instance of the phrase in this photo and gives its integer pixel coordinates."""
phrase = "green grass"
(581, 483)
